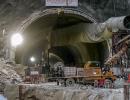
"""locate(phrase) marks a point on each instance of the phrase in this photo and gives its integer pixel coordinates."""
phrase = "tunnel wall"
(15, 14)
(19, 11)
(84, 53)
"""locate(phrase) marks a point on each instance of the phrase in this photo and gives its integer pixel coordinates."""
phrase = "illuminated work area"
(56, 49)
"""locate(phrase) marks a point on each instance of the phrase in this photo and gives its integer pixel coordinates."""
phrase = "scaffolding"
(120, 52)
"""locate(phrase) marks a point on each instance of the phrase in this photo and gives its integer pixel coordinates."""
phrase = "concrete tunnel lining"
(42, 15)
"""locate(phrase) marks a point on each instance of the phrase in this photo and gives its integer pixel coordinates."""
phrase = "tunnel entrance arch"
(71, 13)
(50, 11)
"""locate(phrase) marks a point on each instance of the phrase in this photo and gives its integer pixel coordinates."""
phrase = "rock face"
(8, 80)
(51, 92)
(13, 12)
(7, 73)
(20, 69)
(11, 92)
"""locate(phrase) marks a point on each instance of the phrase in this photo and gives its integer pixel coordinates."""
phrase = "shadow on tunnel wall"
(79, 54)
(76, 54)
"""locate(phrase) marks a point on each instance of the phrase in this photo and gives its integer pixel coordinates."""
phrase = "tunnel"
(41, 36)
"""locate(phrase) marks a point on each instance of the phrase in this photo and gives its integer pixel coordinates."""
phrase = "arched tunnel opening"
(41, 36)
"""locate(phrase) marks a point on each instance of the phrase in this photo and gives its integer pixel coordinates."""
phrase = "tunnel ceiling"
(41, 28)
(14, 13)
(41, 33)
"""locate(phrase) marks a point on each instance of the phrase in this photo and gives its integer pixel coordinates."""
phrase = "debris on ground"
(7, 73)
(50, 91)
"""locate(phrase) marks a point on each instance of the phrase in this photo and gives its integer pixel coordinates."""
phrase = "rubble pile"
(7, 73)
(52, 92)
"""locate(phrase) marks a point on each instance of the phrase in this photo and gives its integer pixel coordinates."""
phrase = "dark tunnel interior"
(39, 37)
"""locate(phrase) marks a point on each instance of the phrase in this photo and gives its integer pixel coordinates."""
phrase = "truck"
(92, 74)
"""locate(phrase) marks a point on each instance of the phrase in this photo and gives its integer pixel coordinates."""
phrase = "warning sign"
(73, 3)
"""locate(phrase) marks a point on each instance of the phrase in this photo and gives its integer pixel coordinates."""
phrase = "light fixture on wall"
(16, 39)
(32, 59)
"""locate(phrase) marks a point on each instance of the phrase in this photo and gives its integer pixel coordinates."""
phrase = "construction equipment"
(120, 56)
(92, 74)
(32, 75)
(93, 32)
(96, 73)
(117, 56)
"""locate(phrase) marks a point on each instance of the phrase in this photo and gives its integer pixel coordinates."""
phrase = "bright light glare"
(32, 59)
(16, 39)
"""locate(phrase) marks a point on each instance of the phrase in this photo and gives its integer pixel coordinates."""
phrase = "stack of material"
(69, 71)
(80, 71)
(7, 73)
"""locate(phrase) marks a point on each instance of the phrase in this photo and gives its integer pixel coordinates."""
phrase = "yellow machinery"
(94, 72)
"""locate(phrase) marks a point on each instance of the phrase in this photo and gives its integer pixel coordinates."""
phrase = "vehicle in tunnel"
(74, 40)
(92, 74)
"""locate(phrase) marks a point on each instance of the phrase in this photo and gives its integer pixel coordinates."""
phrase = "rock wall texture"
(51, 92)
(14, 12)
(8, 74)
